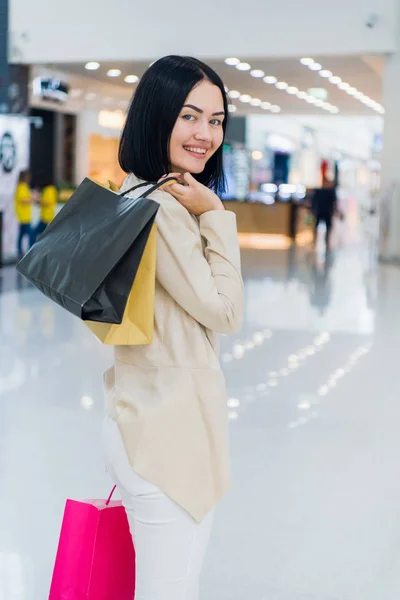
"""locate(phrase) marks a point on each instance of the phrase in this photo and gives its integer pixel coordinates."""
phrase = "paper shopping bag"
(88, 256)
(95, 558)
(138, 320)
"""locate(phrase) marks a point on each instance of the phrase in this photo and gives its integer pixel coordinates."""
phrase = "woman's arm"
(207, 285)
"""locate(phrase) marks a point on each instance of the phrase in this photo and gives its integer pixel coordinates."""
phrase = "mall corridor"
(313, 513)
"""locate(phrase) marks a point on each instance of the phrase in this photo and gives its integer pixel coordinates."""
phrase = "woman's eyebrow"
(222, 112)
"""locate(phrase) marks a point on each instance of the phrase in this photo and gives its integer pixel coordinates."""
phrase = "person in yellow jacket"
(23, 211)
(48, 203)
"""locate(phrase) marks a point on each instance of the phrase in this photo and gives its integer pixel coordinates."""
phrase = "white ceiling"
(364, 73)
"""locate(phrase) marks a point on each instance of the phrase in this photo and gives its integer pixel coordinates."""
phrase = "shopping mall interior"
(312, 403)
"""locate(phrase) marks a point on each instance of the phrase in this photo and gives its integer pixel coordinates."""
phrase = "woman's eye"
(188, 117)
(216, 122)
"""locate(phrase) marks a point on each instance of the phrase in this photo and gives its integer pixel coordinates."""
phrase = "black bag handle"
(153, 188)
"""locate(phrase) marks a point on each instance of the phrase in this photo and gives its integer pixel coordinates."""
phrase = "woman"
(23, 209)
(165, 431)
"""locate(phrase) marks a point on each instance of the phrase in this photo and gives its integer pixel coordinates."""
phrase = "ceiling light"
(335, 79)
(266, 105)
(232, 108)
(281, 85)
(307, 61)
(334, 110)
(352, 91)
(255, 102)
(381, 110)
(275, 109)
(343, 85)
(311, 100)
(325, 73)
(232, 62)
(114, 73)
(302, 95)
(270, 79)
(319, 103)
(92, 66)
(292, 89)
(257, 155)
(257, 73)
(131, 79)
(359, 96)
(245, 98)
(315, 67)
(234, 94)
(243, 67)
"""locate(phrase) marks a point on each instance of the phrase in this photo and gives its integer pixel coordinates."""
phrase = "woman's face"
(198, 131)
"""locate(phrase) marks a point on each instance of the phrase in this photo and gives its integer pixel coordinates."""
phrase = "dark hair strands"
(153, 112)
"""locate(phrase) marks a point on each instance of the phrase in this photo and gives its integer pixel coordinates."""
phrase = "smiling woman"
(180, 103)
(165, 434)
(198, 132)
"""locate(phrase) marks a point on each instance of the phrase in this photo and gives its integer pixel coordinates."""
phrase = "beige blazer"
(169, 398)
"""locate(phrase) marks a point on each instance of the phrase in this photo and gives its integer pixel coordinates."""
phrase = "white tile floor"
(314, 511)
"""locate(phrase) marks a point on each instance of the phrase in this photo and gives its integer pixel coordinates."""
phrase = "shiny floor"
(314, 511)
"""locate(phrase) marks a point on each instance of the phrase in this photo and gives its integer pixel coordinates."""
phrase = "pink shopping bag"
(95, 557)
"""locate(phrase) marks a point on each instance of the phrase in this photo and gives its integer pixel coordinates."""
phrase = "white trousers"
(170, 545)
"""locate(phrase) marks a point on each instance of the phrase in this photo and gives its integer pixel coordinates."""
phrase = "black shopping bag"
(87, 258)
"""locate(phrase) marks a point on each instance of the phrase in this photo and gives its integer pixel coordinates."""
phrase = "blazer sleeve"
(206, 283)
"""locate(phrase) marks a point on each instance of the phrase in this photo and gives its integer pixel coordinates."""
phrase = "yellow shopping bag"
(138, 320)
(137, 324)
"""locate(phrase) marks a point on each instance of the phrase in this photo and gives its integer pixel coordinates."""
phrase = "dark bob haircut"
(153, 112)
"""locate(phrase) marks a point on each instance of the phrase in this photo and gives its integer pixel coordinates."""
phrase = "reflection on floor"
(313, 404)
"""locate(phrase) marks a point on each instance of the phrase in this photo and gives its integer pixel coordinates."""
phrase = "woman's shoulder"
(170, 208)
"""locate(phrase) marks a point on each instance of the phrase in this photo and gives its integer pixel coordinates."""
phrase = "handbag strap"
(153, 188)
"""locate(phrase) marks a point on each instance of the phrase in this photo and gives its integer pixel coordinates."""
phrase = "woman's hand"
(194, 196)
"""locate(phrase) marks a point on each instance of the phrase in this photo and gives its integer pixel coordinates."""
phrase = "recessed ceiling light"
(315, 67)
(92, 66)
(302, 95)
(319, 103)
(270, 79)
(307, 61)
(234, 94)
(257, 155)
(275, 109)
(245, 98)
(325, 73)
(114, 73)
(292, 89)
(232, 62)
(352, 91)
(359, 96)
(343, 85)
(257, 73)
(232, 108)
(266, 105)
(243, 67)
(282, 85)
(131, 79)
(334, 110)
(311, 100)
(255, 102)
(335, 79)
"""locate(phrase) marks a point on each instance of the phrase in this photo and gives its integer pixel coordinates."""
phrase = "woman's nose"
(203, 131)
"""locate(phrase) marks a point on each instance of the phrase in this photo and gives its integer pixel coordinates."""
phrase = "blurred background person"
(48, 204)
(324, 207)
(24, 197)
